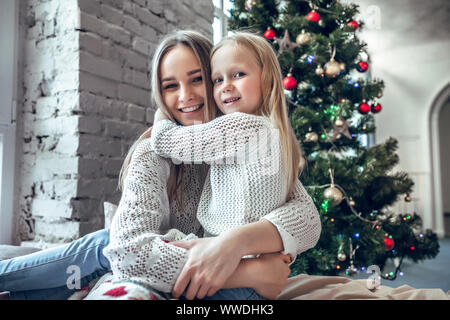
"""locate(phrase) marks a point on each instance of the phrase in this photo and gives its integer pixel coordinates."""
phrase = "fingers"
(181, 283)
(192, 290)
(186, 244)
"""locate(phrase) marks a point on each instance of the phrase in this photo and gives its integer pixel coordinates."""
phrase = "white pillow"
(109, 209)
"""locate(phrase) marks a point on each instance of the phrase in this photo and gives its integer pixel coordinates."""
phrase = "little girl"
(240, 189)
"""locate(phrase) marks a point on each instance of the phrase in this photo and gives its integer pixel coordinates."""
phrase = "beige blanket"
(302, 287)
(306, 287)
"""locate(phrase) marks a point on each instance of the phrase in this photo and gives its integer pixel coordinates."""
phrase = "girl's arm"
(293, 228)
(267, 274)
(297, 222)
(217, 140)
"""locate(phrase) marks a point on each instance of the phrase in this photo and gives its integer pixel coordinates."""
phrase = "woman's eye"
(170, 86)
(197, 79)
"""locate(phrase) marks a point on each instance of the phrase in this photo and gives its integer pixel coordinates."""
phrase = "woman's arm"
(212, 142)
(138, 248)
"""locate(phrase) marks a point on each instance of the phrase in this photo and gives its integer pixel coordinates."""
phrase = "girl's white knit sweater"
(245, 183)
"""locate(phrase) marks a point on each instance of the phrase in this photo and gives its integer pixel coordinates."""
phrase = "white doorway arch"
(436, 162)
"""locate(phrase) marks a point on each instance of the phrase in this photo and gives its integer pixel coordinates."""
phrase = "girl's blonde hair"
(201, 47)
(274, 104)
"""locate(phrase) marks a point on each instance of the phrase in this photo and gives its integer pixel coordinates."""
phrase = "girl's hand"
(210, 262)
(271, 272)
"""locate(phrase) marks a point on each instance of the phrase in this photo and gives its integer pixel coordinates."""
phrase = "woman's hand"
(269, 274)
(210, 263)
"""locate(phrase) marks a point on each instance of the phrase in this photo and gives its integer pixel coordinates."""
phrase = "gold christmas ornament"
(333, 194)
(339, 122)
(311, 137)
(332, 68)
(341, 256)
(319, 70)
(303, 38)
(249, 4)
(351, 202)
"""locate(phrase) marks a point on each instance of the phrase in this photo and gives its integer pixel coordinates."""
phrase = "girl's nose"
(227, 86)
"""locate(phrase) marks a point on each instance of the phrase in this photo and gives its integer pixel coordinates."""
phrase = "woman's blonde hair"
(201, 47)
(273, 99)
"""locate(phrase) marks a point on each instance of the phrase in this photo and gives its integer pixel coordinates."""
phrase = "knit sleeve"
(212, 142)
(297, 221)
(140, 230)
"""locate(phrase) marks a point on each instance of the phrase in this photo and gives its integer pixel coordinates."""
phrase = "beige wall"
(409, 44)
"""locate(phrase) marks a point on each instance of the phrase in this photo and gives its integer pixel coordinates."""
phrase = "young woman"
(158, 205)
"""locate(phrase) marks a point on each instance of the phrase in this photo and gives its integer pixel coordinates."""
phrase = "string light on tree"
(388, 243)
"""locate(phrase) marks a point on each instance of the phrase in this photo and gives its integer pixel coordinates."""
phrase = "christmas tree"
(332, 104)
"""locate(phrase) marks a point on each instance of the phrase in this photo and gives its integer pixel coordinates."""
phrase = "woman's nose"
(185, 94)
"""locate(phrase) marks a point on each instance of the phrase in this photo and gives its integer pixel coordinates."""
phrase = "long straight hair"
(201, 47)
(273, 103)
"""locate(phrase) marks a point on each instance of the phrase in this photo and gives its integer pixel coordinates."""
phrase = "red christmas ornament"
(353, 24)
(388, 244)
(289, 82)
(313, 16)
(364, 108)
(376, 107)
(363, 66)
(269, 34)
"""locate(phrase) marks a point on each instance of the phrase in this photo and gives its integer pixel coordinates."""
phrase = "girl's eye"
(239, 74)
(217, 80)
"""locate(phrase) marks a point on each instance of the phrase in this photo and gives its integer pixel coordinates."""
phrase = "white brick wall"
(86, 97)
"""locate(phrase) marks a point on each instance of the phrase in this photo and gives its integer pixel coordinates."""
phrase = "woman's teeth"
(190, 109)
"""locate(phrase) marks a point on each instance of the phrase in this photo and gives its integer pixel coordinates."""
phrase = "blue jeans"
(44, 275)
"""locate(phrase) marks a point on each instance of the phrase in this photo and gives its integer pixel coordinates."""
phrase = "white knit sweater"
(233, 194)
